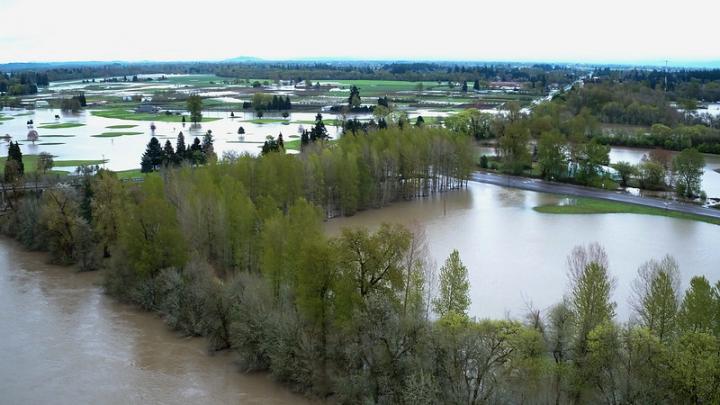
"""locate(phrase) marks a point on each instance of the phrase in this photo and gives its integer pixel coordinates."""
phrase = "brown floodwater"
(62, 341)
(517, 257)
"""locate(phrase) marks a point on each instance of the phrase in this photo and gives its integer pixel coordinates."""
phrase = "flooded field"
(123, 152)
(120, 139)
(517, 256)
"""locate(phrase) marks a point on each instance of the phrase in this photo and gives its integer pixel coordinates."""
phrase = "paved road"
(580, 191)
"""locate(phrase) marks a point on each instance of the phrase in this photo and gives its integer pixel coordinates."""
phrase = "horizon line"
(678, 63)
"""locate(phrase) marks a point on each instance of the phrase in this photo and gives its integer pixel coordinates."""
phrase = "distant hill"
(243, 59)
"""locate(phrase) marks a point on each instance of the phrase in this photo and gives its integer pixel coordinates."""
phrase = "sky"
(612, 31)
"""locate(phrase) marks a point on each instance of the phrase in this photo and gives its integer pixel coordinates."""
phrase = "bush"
(250, 327)
(483, 162)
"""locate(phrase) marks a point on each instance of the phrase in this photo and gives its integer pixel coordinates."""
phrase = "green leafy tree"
(44, 162)
(552, 156)
(14, 166)
(180, 148)
(168, 153)
(590, 300)
(318, 131)
(108, 205)
(688, 169)
(207, 147)
(652, 175)
(656, 300)
(354, 100)
(694, 368)
(371, 263)
(698, 311)
(150, 236)
(470, 122)
(60, 216)
(454, 294)
(194, 106)
(626, 171)
(513, 148)
(592, 156)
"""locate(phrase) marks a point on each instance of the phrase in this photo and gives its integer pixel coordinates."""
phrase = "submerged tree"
(194, 106)
(354, 98)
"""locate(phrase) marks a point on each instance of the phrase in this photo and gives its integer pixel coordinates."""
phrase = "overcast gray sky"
(522, 30)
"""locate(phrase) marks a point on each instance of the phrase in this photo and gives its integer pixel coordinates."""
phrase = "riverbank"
(56, 318)
(543, 186)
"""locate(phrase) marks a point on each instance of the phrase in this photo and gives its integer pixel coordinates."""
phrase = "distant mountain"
(243, 59)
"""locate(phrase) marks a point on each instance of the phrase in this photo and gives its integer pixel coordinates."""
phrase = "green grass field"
(130, 174)
(267, 121)
(372, 86)
(594, 206)
(331, 122)
(122, 114)
(294, 144)
(50, 125)
(121, 126)
(116, 134)
(30, 163)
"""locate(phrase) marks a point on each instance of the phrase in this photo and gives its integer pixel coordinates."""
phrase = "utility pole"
(666, 67)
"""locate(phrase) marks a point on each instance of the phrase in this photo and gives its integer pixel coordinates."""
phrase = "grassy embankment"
(595, 206)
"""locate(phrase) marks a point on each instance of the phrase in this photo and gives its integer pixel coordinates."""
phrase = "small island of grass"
(121, 126)
(595, 206)
(116, 134)
(61, 125)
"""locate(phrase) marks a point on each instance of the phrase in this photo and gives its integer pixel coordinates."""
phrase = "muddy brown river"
(62, 341)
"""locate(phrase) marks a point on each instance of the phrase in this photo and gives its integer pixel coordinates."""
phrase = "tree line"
(538, 75)
(265, 102)
(584, 109)
(157, 157)
(22, 83)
